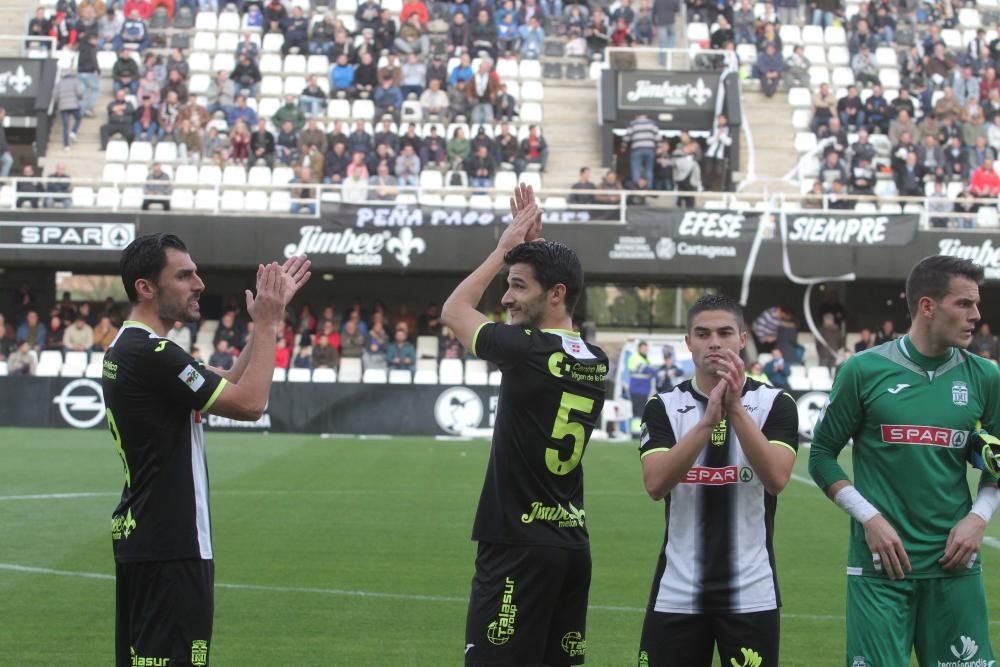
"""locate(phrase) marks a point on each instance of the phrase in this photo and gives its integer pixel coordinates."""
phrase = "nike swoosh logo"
(686, 408)
(467, 647)
(898, 388)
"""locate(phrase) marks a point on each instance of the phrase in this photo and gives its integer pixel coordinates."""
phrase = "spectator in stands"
(324, 354)
(414, 75)
(357, 170)
(312, 136)
(832, 169)
(296, 31)
(458, 149)
(222, 357)
(640, 141)
(744, 23)
(134, 34)
(756, 372)
(724, 33)
(149, 86)
(505, 107)
(335, 163)
(262, 146)
(246, 75)
(434, 101)
(352, 340)
(480, 168)
(481, 139)
(458, 32)
(31, 331)
(687, 172)
(909, 177)
(89, 74)
(483, 34)
(275, 16)
(157, 189)
(221, 93)
(125, 73)
(956, 160)
(948, 106)
(664, 18)
(67, 94)
(989, 83)
(367, 15)
(248, 47)
(597, 33)
(400, 354)
(303, 194)
(509, 36)
(769, 69)
(104, 333)
(29, 191)
(877, 111)
(359, 140)
(850, 110)
(312, 99)
(609, 188)
(534, 150)
(54, 334)
(825, 12)
(79, 337)
(939, 204)
(286, 144)
(382, 153)
(21, 361)
(432, 153)
(7, 343)
(984, 343)
(977, 154)
(966, 85)
(39, 26)
(385, 31)
(59, 188)
(382, 186)
(407, 166)
(108, 27)
(506, 148)
(388, 98)
(862, 148)
(824, 107)
(985, 183)
(342, 77)
(886, 333)
(180, 335)
(902, 124)
(796, 69)
(429, 322)
(169, 111)
(866, 341)
(765, 328)
(239, 143)
(241, 112)
(144, 126)
(290, 113)
(413, 38)
(175, 84)
(939, 64)
(303, 359)
(717, 155)
(532, 38)
(776, 370)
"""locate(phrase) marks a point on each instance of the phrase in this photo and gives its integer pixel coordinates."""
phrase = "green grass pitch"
(357, 552)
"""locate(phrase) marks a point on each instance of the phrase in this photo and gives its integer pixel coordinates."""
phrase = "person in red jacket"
(985, 180)
(144, 7)
(415, 7)
(63, 30)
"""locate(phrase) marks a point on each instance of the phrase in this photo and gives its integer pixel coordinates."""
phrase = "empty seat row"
(473, 372)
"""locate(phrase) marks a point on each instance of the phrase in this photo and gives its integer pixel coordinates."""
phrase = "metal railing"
(122, 196)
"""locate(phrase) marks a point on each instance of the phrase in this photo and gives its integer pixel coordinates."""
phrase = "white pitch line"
(24, 569)
(59, 496)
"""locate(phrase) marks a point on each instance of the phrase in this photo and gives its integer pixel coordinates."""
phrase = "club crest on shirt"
(959, 393)
(192, 378)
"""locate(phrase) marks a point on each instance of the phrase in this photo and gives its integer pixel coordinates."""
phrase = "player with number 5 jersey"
(529, 593)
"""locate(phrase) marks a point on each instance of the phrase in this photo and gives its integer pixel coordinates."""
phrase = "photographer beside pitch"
(528, 604)
(911, 406)
(156, 394)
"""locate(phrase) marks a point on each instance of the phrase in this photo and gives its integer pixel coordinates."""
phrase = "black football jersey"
(155, 394)
(551, 398)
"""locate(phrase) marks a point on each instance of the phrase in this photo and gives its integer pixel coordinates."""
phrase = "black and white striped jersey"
(717, 553)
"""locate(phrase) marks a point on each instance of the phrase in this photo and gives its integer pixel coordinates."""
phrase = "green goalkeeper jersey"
(910, 417)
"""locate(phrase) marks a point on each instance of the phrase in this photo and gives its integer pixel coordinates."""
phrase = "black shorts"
(163, 613)
(528, 606)
(688, 640)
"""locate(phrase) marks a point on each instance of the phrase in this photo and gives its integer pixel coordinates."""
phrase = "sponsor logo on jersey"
(500, 630)
(746, 474)
(643, 434)
(192, 378)
(965, 655)
(898, 388)
(199, 653)
(685, 409)
(140, 661)
(574, 644)
(712, 476)
(911, 434)
(643, 659)
(959, 393)
(109, 370)
(750, 659)
(559, 515)
(859, 661)
(719, 434)
(161, 346)
(561, 366)
(122, 526)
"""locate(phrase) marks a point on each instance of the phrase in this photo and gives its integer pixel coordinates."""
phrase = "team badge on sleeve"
(192, 378)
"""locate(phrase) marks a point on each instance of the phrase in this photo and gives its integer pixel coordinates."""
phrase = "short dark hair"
(932, 276)
(716, 302)
(145, 258)
(553, 263)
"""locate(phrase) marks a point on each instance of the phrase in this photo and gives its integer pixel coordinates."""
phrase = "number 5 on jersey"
(563, 427)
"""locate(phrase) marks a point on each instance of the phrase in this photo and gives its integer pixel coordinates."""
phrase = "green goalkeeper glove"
(984, 452)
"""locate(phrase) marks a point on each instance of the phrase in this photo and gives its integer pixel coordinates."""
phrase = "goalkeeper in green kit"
(913, 407)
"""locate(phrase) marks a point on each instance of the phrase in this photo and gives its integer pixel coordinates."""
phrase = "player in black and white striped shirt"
(718, 448)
